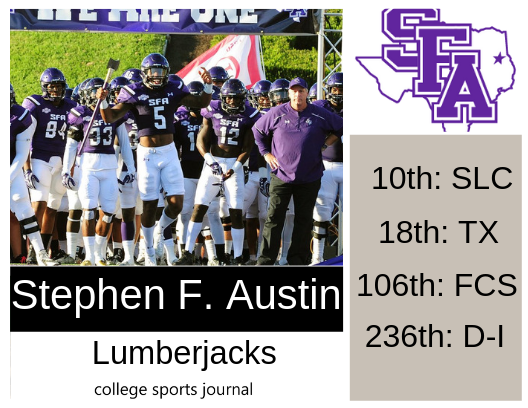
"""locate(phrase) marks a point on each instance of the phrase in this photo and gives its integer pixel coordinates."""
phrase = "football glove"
(264, 186)
(67, 181)
(129, 178)
(216, 169)
(30, 179)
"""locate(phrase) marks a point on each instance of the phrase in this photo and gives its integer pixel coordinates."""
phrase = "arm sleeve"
(23, 143)
(126, 151)
(69, 155)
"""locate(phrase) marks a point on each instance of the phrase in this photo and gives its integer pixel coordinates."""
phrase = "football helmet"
(278, 91)
(155, 71)
(195, 88)
(312, 94)
(91, 90)
(235, 90)
(82, 91)
(216, 93)
(218, 74)
(12, 96)
(68, 93)
(53, 84)
(115, 87)
(75, 94)
(334, 87)
(261, 94)
(251, 97)
(175, 78)
(133, 75)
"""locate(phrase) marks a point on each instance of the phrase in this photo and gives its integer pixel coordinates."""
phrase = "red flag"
(238, 54)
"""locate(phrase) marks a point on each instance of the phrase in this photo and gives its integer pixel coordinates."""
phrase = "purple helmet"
(155, 71)
(69, 93)
(251, 97)
(50, 77)
(261, 93)
(279, 91)
(133, 75)
(91, 89)
(233, 88)
(312, 94)
(82, 91)
(218, 74)
(335, 95)
(115, 87)
(75, 94)
(195, 88)
(175, 78)
(12, 96)
(216, 93)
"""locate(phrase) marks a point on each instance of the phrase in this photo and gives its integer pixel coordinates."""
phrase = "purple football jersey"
(50, 135)
(153, 108)
(228, 128)
(101, 137)
(295, 139)
(333, 153)
(185, 135)
(20, 121)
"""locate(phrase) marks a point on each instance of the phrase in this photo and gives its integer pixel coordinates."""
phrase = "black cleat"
(186, 259)
(239, 260)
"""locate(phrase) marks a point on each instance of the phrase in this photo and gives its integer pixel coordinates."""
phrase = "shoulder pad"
(35, 102)
(75, 112)
(130, 91)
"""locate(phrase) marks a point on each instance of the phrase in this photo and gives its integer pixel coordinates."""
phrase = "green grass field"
(77, 55)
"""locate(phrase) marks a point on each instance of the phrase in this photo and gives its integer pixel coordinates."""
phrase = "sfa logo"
(296, 14)
(460, 71)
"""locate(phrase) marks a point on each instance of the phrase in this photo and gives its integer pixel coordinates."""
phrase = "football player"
(332, 181)
(153, 103)
(261, 95)
(188, 122)
(22, 127)
(73, 235)
(42, 170)
(229, 121)
(98, 185)
(255, 193)
(130, 205)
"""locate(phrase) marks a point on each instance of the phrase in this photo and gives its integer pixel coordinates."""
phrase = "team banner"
(238, 54)
(169, 21)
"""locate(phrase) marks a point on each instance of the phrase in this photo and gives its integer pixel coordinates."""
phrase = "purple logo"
(460, 71)
(296, 14)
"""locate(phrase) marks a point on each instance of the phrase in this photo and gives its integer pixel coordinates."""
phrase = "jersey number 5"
(159, 118)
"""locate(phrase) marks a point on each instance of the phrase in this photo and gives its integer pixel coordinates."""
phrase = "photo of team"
(144, 169)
